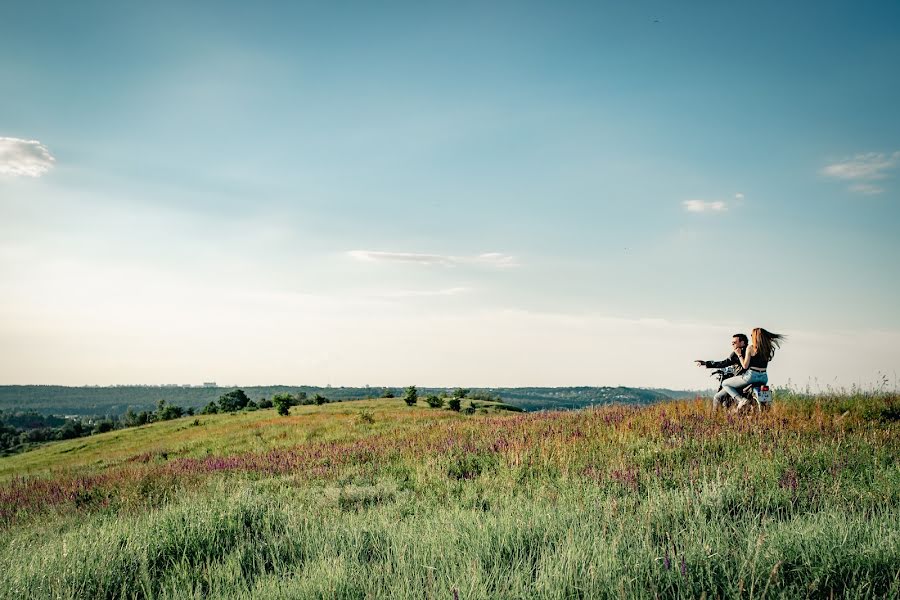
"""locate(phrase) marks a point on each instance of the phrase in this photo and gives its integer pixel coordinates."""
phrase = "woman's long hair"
(765, 342)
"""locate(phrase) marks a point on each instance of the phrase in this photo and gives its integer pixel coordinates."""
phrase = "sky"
(447, 194)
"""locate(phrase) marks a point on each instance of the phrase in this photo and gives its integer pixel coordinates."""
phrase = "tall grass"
(671, 500)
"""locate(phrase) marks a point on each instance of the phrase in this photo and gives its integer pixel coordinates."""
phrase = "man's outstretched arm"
(719, 364)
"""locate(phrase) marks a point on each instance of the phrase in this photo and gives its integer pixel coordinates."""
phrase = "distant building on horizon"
(209, 384)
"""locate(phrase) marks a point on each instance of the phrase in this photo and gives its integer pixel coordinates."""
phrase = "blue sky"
(467, 194)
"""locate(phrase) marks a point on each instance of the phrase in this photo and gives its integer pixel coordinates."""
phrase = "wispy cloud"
(28, 158)
(422, 293)
(866, 188)
(704, 206)
(488, 259)
(864, 169)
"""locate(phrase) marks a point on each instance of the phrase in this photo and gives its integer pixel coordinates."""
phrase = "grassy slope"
(234, 433)
(668, 500)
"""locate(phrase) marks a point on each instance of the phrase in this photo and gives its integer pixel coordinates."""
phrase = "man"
(738, 347)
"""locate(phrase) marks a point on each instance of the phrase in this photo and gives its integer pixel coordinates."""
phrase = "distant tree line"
(453, 400)
(91, 401)
(282, 402)
(23, 430)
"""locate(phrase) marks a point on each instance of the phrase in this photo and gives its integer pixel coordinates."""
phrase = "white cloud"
(401, 257)
(28, 158)
(703, 206)
(493, 259)
(422, 293)
(866, 188)
(739, 197)
(864, 169)
(489, 259)
(872, 165)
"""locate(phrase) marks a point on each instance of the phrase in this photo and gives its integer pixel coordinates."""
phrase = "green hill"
(92, 401)
(376, 499)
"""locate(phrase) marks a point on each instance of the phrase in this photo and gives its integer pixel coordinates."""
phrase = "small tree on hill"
(460, 393)
(233, 401)
(104, 426)
(434, 401)
(210, 409)
(283, 403)
(71, 430)
(167, 412)
(387, 393)
(320, 400)
(411, 396)
(133, 419)
(130, 418)
(454, 404)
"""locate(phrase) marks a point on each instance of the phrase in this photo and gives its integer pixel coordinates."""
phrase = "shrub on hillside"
(71, 430)
(387, 393)
(265, 403)
(283, 403)
(104, 426)
(454, 404)
(210, 409)
(434, 401)
(460, 393)
(44, 434)
(411, 396)
(319, 399)
(284, 397)
(233, 401)
(167, 412)
(133, 419)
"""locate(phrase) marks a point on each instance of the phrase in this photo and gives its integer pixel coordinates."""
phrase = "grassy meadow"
(374, 499)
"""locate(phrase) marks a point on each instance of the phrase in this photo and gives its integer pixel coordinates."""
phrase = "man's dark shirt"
(733, 359)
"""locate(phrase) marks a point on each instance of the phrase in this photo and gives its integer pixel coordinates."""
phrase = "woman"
(755, 360)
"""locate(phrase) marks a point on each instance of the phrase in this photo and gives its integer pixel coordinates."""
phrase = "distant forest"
(115, 401)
